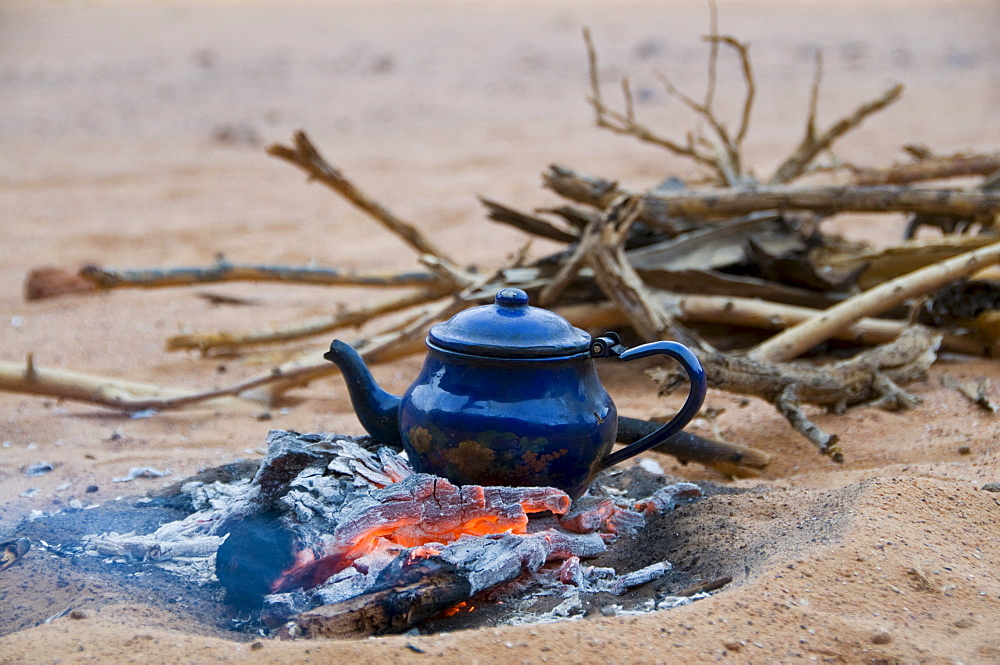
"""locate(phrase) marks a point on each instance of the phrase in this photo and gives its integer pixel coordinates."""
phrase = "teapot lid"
(509, 328)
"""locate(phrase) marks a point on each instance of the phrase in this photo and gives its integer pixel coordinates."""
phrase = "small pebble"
(91, 489)
(881, 637)
(39, 469)
(264, 416)
(256, 646)
(964, 450)
(78, 614)
(992, 487)
(732, 645)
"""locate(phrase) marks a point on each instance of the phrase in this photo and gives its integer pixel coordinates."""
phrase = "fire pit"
(336, 536)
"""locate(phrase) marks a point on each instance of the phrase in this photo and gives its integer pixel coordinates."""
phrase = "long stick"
(306, 157)
(756, 313)
(345, 319)
(796, 340)
(933, 168)
(662, 210)
(828, 199)
(110, 278)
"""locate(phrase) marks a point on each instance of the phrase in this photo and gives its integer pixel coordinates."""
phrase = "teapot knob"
(512, 298)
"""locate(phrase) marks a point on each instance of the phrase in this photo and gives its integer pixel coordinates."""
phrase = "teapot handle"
(609, 346)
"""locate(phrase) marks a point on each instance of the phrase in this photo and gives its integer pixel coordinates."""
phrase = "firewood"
(305, 155)
(344, 319)
(794, 341)
(933, 168)
(707, 204)
(873, 377)
(223, 271)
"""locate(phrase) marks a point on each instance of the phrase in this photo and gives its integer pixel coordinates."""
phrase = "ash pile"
(335, 536)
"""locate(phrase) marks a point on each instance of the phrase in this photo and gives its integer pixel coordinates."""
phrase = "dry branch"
(306, 157)
(933, 168)
(796, 340)
(760, 314)
(528, 223)
(344, 319)
(125, 395)
(872, 377)
(813, 144)
(619, 281)
(223, 271)
(714, 203)
(626, 124)
(664, 211)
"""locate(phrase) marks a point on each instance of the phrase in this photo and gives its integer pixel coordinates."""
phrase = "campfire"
(334, 536)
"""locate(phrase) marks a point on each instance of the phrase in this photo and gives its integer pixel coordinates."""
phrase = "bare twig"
(713, 53)
(569, 269)
(528, 223)
(743, 51)
(624, 124)
(306, 157)
(812, 145)
(345, 319)
(796, 340)
(223, 271)
(933, 168)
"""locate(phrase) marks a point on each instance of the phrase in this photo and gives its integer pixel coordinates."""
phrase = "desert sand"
(132, 134)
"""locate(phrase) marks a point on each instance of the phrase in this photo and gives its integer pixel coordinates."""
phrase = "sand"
(132, 135)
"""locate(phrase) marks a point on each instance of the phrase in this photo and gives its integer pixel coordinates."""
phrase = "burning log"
(425, 582)
(420, 509)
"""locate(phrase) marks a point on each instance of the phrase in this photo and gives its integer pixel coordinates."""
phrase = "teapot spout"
(377, 410)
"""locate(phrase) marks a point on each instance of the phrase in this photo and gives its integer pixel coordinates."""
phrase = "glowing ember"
(418, 510)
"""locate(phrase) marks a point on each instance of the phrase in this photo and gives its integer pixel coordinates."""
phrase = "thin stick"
(756, 313)
(743, 51)
(935, 168)
(813, 145)
(572, 266)
(223, 271)
(348, 318)
(528, 223)
(796, 340)
(713, 53)
(623, 124)
(306, 157)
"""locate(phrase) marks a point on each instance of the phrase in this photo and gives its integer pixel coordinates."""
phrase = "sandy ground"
(132, 135)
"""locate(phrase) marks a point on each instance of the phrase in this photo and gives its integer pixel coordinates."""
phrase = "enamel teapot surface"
(509, 395)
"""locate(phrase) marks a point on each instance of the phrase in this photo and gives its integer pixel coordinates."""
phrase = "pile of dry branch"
(732, 249)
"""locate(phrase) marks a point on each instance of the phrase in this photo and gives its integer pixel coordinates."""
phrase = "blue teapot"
(509, 395)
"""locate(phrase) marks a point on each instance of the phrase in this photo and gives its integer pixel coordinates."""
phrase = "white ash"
(640, 577)
(141, 472)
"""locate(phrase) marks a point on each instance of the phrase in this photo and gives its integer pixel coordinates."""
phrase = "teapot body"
(503, 421)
